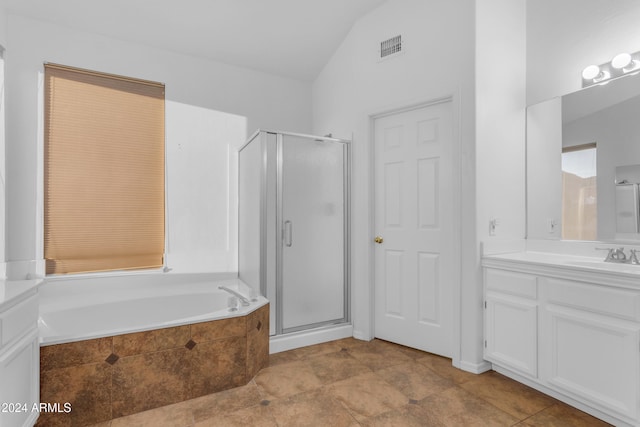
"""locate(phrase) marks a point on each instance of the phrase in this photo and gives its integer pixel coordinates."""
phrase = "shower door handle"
(288, 233)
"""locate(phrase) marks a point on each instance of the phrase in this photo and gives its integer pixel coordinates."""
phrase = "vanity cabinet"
(590, 344)
(573, 338)
(19, 361)
(511, 320)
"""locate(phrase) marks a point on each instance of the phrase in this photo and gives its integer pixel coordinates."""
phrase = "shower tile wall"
(111, 377)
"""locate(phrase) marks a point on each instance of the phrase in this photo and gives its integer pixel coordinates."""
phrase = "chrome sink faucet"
(618, 255)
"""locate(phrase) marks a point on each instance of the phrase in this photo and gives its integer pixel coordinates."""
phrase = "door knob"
(378, 239)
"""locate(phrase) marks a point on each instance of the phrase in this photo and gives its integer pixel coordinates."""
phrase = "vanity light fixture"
(621, 65)
(594, 73)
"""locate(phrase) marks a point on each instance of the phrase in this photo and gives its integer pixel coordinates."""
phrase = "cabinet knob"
(378, 240)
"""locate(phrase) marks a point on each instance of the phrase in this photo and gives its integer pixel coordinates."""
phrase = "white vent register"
(391, 46)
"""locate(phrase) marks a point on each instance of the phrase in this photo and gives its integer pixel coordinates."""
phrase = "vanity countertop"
(580, 267)
(12, 291)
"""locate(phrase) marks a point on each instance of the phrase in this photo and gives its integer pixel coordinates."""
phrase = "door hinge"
(485, 304)
(485, 343)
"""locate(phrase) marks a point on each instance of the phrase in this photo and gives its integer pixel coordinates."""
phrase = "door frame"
(456, 175)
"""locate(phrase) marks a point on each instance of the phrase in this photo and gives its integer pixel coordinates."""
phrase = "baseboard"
(474, 368)
(359, 335)
(280, 343)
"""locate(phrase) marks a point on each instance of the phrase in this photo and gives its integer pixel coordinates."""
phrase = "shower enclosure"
(293, 227)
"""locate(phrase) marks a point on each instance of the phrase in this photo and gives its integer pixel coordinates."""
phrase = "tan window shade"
(103, 172)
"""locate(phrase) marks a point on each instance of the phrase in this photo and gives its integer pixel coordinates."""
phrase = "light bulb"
(621, 60)
(591, 72)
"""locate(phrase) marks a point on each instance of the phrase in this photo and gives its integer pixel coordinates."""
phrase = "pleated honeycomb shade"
(104, 172)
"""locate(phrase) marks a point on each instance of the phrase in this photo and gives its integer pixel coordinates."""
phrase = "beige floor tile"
(408, 351)
(378, 355)
(443, 367)
(457, 407)
(414, 380)
(356, 383)
(348, 343)
(314, 408)
(257, 416)
(338, 366)
(286, 380)
(366, 395)
(511, 396)
(176, 415)
(317, 350)
(225, 401)
(283, 357)
(407, 416)
(561, 415)
(483, 419)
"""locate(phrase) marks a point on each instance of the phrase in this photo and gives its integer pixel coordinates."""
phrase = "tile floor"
(355, 383)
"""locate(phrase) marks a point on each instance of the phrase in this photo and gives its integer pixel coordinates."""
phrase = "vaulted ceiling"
(292, 38)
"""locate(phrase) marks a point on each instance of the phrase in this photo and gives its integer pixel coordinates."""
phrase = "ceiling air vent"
(391, 46)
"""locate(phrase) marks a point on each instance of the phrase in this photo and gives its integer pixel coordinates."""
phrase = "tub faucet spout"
(245, 301)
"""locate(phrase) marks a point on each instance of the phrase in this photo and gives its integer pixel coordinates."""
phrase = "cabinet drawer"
(510, 282)
(621, 303)
(18, 320)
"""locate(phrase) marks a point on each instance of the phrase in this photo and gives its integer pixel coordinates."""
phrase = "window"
(103, 172)
(579, 193)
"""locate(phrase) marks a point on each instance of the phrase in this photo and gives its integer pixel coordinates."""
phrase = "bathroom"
(490, 59)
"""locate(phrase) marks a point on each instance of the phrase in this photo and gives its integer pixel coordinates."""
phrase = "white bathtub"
(75, 309)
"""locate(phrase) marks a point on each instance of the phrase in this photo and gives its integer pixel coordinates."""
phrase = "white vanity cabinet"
(590, 344)
(19, 357)
(511, 320)
(573, 334)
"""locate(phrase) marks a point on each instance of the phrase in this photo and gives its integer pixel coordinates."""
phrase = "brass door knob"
(378, 239)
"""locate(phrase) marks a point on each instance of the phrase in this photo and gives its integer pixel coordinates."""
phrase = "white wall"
(3, 27)
(500, 116)
(500, 138)
(438, 62)
(3, 43)
(197, 90)
(563, 37)
(544, 165)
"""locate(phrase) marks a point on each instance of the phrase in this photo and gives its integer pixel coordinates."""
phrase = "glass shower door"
(313, 229)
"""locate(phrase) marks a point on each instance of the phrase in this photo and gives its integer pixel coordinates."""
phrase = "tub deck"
(117, 374)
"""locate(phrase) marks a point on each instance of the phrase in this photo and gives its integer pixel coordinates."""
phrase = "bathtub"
(74, 309)
(135, 342)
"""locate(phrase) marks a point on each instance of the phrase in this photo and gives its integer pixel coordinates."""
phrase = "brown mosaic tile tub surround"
(115, 376)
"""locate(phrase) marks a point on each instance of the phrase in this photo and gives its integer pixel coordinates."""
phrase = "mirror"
(583, 157)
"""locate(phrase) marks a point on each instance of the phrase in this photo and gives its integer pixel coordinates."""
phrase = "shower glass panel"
(293, 220)
(313, 230)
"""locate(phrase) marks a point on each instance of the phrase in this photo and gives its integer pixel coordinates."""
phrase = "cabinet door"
(511, 333)
(19, 388)
(593, 358)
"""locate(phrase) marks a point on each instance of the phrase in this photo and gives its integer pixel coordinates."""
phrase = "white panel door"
(414, 217)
